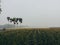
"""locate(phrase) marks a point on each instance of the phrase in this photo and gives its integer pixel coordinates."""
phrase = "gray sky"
(40, 13)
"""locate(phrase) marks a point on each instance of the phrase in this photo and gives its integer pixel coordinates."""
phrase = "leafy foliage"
(30, 37)
(14, 20)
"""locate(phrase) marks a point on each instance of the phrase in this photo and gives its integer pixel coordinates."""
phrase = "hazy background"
(39, 13)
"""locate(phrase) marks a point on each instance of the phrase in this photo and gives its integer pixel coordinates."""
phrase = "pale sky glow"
(40, 13)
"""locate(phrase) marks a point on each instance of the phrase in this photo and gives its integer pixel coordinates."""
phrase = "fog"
(39, 13)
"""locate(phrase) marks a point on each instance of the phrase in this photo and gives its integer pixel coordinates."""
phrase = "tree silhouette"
(0, 10)
(14, 20)
(8, 18)
(20, 20)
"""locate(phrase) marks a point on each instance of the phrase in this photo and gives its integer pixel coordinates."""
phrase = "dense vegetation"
(30, 37)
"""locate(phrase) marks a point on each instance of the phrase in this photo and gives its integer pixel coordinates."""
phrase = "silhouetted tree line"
(14, 20)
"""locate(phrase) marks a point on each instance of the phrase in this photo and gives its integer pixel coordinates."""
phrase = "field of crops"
(30, 37)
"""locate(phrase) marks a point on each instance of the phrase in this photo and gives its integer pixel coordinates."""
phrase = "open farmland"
(30, 36)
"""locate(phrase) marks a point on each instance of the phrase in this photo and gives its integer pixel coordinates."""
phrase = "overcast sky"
(40, 13)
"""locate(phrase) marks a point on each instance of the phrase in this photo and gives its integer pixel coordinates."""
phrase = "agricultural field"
(33, 36)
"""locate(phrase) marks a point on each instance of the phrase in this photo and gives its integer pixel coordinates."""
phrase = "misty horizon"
(39, 13)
